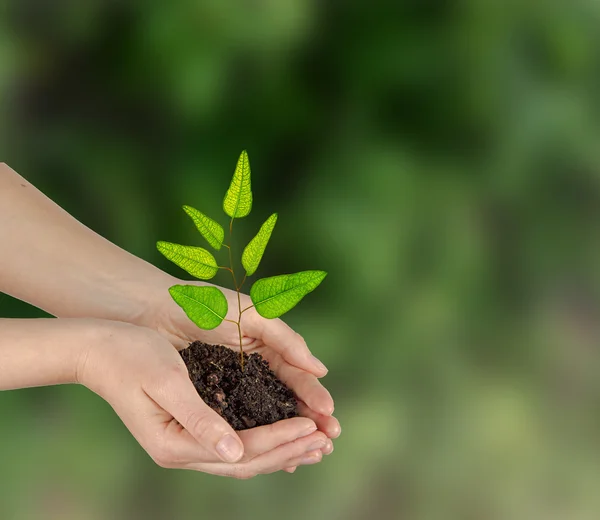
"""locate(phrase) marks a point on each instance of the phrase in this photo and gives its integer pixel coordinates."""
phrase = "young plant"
(207, 306)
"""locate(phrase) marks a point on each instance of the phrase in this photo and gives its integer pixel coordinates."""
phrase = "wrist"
(104, 344)
(41, 352)
(136, 297)
(118, 355)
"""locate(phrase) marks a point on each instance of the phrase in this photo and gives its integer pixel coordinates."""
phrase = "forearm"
(54, 262)
(45, 351)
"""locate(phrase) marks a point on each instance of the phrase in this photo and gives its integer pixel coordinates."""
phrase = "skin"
(118, 332)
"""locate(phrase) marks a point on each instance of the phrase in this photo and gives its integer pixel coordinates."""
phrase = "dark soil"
(245, 399)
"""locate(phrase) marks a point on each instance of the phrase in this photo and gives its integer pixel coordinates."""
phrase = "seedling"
(207, 306)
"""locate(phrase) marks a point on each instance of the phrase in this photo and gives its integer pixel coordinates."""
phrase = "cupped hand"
(284, 349)
(144, 379)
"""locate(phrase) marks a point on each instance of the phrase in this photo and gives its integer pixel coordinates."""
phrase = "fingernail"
(335, 432)
(317, 362)
(311, 458)
(328, 449)
(229, 448)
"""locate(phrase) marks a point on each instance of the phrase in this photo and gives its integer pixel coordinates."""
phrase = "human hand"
(144, 379)
(284, 349)
(103, 281)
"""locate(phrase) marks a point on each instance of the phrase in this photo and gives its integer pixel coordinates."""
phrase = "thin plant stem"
(239, 323)
(231, 264)
(237, 289)
(243, 281)
(241, 348)
(246, 309)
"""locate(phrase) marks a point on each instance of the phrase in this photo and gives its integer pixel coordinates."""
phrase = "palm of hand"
(146, 383)
(284, 349)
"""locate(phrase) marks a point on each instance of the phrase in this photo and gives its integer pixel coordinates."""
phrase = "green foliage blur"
(441, 160)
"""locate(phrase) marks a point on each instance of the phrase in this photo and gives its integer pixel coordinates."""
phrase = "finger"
(290, 470)
(177, 395)
(305, 385)
(281, 338)
(282, 457)
(266, 438)
(179, 447)
(312, 457)
(328, 424)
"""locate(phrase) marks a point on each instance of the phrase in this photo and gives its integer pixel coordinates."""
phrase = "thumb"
(286, 342)
(180, 399)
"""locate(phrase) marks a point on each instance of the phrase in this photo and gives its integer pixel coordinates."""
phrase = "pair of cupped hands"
(139, 371)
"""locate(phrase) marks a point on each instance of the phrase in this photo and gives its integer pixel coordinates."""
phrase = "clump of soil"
(245, 399)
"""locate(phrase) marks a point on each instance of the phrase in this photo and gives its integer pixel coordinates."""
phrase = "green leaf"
(195, 260)
(238, 199)
(212, 231)
(276, 295)
(205, 306)
(255, 249)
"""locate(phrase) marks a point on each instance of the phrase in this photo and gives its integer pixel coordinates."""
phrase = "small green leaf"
(205, 306)
(195, 260)
(276, 295)
(212, 231)
(255, 249)
(238, 199)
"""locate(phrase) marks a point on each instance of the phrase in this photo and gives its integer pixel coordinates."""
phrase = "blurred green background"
(440, 159)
